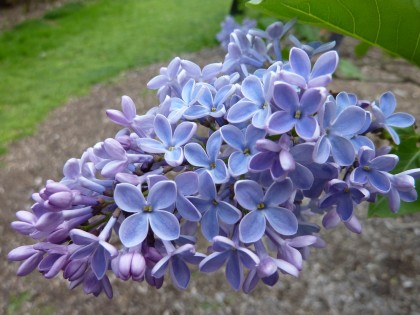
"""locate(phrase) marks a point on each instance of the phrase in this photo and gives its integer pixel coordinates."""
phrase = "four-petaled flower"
(169, 144)
(236, 257)
(264, 207)
(134, 228)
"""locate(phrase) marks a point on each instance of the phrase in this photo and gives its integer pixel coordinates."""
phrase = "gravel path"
(377, 272)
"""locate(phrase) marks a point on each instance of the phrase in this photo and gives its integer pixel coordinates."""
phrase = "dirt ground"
(377, 272)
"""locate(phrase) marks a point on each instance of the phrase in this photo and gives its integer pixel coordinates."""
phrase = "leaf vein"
(379, 22)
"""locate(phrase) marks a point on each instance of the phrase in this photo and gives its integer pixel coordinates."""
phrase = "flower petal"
(163, 129)
(233, 136)
(234, 271)
(228, 213)
(282, 220)
(280, 122)
(164, 224)
(180, 273)
(285, 97)
(278, 193)
(162, 195)
(252, 227)
(300, 62)
(248, 194)
(183, 133)
(210, 224)
(133, 230)
(195, 155)
(129, 198)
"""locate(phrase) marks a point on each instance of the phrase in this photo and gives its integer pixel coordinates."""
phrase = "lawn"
(45, 61)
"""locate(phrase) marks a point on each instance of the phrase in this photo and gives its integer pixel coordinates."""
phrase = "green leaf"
(409, 154)
(393, 25)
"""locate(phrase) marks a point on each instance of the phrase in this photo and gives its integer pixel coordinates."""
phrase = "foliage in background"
(45, 61)
(392, 24)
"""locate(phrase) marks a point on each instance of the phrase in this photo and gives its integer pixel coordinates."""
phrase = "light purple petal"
(151, 145)
(241, 111)
(248, 258)
(302, 177)
(134, 229)
(220, 173)
(287, 267)
(286, 97)
(129, 198)
(162, 194)
(210, 224)
(307, 128)
(248, 194)
(299, 61)
(322, 150)
(260, 117)
(252, 89)
(187, 209)
(80, 237)
(358, 176)
(233, 136)
(163, 129)
(394, 135)
(85, 251)
(128, 107)
(312, 100)
(228, 213)
(100, 262)
(214, 261)
(342, 150)
(238, 163)
(400, 120)
(282, 220)
(157, 82)
(280, 122)
(293, 78)
(385, 163)
(234, 272)
(278, 193)
(353, 114)
(117, 117)
(183, 133)
(159, 269)
(187, 183)
(165, 225)
(195, 155)
(213, 145)
(252, 227)
(206, 187)
(180, 273)
(174, 157)
(196, 111)
(380, 181)
(388, 103)
(326, 64)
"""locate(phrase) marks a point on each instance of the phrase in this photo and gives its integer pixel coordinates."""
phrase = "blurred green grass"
(45, 61)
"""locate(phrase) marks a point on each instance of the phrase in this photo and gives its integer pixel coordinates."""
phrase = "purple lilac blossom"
(268, 149)
(135, 227)
(386, 118)
(263, 208)
(171, 142)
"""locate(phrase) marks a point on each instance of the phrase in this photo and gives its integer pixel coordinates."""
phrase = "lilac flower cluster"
(245, 152)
